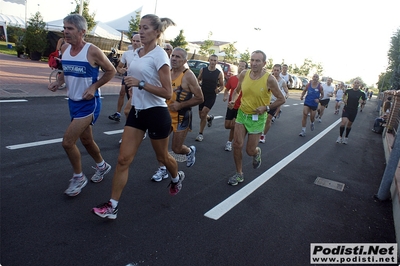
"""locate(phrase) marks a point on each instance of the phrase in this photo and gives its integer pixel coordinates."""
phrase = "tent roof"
(122, 24)
(100, 30)
(12, 21)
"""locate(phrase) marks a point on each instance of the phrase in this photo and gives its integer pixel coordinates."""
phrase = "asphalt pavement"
(270, 219)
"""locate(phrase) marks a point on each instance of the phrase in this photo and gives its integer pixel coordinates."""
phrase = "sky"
(349, 38)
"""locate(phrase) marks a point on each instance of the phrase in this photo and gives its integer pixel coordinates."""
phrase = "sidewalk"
(21, 78)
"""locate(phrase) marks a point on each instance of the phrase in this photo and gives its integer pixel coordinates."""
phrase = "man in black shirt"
(352, 98)
(211, 81)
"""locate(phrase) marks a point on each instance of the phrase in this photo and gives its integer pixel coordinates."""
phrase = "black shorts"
(123, 80)
(231, 114)
(127, 92)
(156, 120)
(324, 102)
(272, 111)
(314, 108)
(350, 114)
(209, 100)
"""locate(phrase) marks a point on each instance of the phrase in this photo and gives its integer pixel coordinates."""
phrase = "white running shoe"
(228, 146)
(160, 175)
(339, 140)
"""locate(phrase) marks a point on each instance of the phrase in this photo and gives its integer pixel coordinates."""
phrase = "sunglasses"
(167, 49)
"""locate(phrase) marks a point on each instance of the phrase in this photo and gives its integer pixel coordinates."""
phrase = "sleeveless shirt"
(254, 93)
(179, 94)
(79, 74)
(209, 80)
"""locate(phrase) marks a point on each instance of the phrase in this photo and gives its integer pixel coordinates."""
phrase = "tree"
(35, 38)
(394, 60)
(90, 19)
(230, 53)
(134, 24)
(205, 48)
(179, 41)
(245, 56)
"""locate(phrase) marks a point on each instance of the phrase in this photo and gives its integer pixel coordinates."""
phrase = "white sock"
(175, 180)
(303, 129)
(114, 203)
(101, 165)
(163, 167)
(78, 175)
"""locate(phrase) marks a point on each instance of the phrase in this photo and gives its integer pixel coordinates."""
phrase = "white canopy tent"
(122, 24)
(100, 30)
(8, 20)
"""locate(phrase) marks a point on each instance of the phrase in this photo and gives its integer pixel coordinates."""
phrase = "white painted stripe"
(33, 144)
(226, 205)
(114, 132)
(218, 116)
(13, 101)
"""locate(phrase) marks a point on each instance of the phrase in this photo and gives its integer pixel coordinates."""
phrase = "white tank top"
(79, 74)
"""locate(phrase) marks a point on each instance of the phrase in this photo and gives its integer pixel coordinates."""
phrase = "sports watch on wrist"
(141, 85)
(267, 108)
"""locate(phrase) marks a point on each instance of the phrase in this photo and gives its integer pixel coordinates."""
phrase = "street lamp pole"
(155, 8)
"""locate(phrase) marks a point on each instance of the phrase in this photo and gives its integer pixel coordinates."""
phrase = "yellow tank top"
(254, 93)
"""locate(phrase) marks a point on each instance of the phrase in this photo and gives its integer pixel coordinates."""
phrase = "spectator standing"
(83, 99)
(149, 75)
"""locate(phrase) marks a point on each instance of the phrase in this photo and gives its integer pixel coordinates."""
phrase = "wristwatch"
(267, 108)
(141, 85)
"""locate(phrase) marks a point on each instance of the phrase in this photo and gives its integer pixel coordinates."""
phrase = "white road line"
(13, 101)
(113, 132)
(33, 144)
(226, 205)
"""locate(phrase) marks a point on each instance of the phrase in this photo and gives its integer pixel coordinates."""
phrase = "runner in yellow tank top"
(256, 86)
(186, 93)
(256, 91)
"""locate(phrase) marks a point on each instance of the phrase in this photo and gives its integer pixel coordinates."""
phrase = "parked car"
(228, 69)
(196, 65)
(304, 82)
(297, 84)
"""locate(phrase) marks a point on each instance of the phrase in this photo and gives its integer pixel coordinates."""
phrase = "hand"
(131, 81)
(175, 106)
(53, 86)
(88, 94)
(260, 110)
(231, 104)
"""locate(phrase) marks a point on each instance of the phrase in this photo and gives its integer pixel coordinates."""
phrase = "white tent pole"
(26, 11)
(81, 8)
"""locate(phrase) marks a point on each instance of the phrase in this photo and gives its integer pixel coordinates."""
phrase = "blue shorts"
(85, 108)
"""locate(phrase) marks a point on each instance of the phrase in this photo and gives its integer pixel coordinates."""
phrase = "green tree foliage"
(230, 53)
(179, 41)
(35, 38)
(245, 56)
(205, 48)
(15, 34)
(384, 81)
(360, 79)
(394, 60)
(90, 19)
(134, 24)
